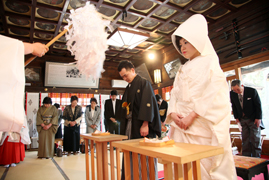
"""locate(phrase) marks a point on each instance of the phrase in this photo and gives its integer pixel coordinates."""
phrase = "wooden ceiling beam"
(114, 51)
(225, 5)
(32, 26)
(110, 6)
(21, 16)
(40, 5)
(126, 8)
(27, 29)
(100, 2)
(65, 7)
(217, 6)
(156, 8)
(3, 17)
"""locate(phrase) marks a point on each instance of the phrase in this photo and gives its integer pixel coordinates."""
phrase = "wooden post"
(135, 166)
(112, 162)
(178, 171)
(100, 160)
(237, 72)
(92, 158)
(187, 171)
(118, 164)
(105, 161)
(196, 170)
(151, 168)
(87, 158)
(127, 164)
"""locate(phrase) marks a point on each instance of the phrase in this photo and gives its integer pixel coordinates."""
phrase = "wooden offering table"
(185, 157)
(101, 155)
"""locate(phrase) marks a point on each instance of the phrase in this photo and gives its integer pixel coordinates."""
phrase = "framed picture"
(32, 74)
(172, 67)
(67, 75)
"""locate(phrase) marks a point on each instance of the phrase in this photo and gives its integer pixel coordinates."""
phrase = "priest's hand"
(144, 130)
(188, 120)
(36, 49)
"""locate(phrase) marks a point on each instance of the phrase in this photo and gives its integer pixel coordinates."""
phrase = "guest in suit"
(111, 107)
(247, 110)
(162, 107)
(92, 116)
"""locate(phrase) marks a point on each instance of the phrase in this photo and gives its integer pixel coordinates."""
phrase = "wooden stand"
(101, 155)
(184, 157)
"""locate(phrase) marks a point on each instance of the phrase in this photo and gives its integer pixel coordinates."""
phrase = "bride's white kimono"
(201, 86)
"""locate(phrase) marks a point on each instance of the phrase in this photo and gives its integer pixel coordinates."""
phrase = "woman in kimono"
(199, 109)
(92, 116)
(46, 124)
(72, 118)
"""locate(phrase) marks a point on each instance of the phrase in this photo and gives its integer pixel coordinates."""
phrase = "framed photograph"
(172, 67)
(67, 75)
(32, 74)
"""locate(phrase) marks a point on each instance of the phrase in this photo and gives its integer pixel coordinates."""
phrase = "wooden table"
(101, 154)
(185, 157)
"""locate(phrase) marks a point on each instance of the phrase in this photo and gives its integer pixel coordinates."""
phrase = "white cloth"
(12, 84)
(16, 137)
(114, 106)
(201, 86)
(92, 111)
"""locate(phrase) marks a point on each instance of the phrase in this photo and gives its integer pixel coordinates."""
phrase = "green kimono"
(46, 137)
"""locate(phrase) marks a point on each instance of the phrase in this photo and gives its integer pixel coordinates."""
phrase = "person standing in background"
(72, 118)
(247, 110)
(46, 124)
(59, 133)
(111, 108)
(92, 116)
(162, 107)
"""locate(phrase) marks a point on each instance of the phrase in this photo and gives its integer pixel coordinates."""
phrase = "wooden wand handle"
(58, 36)
(48, 45)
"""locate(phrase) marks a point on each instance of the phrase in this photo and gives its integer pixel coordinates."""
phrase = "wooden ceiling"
(41, 20)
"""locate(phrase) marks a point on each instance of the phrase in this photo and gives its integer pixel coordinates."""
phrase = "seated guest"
(72, 118)
(46, 124)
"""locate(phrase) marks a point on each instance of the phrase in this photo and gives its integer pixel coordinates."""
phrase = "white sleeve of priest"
(12, 81)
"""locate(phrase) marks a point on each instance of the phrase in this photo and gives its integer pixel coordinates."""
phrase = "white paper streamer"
(88, 33)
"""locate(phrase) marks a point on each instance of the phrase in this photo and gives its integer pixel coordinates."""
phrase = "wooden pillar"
(237, 72)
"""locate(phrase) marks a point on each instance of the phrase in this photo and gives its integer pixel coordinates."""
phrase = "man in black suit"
(247, 110)
(162, 107)
(111, 107)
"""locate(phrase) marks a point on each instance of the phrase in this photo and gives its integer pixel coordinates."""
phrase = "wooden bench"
(248, 167)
